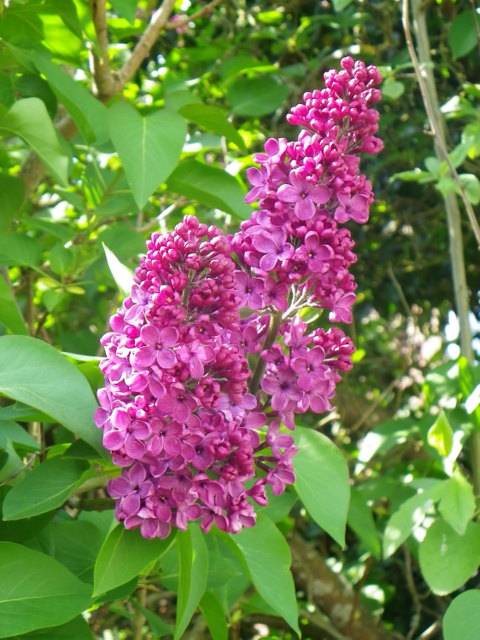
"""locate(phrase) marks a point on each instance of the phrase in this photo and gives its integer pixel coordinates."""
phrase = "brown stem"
(181, 22)
(107, 82)
(422, 65)
(142, 49)
(91, 504)
(104, 79)
(334, 596)
(423, 69)
(139, 620)
(275, 322)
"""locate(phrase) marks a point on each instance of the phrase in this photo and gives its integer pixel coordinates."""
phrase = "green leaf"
(341, 5)
(19, 250)
(18, 436)
(28, 119)
(392, 89)
(440, 435)
(44, 488)
(123, 555)
(157, 625)
(50, 596)
(415, 175)
(210, 186)
(33, 372)
(462, 36)
(408, 517)
(122, 275)
(227, 578)
(469, 379)
(471, 137)
(457, 503)
(213, 119)
(268, 559)
(89, 114)
(462, 618)
(256, 96)
(74, 543)
(193, 571)
(214, 616)
(10, 315)
(360, 519)
(149, 147)
(11, 198)
(126, 9)
(76, 629)
(433, 165)
(7, 95)
(61, 259)
(68, 12)
(471, 185)
(448, 560)
(319, 463)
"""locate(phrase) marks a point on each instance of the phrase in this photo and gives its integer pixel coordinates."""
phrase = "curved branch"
(146, 42)
(430, 100)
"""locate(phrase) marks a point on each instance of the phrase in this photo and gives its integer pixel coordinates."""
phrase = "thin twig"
(415, 621)
(429, 94)
(104, 80)
(431, 632)
(398, 289)
(146, 42)
(436, 124)
(371, 409)
(275, 322)
(181, 22)
(16, 473)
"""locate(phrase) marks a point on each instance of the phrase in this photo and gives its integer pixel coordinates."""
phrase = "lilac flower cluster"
(175, 412)
(208, 359)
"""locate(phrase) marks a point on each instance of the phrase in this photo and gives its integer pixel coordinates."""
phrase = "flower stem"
(275, 322)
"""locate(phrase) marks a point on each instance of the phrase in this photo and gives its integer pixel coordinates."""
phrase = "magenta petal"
(131, 504)
(299, 365)
(196, 368)
(113, 440)
(166, 358)
(279, 401)
(264, 244)
(134, 448)
(118, 487)
(149, 528)
(181, 412)
(149, 335)
(137, 474)
(287, 193)
(269, 385)
(271, 146)
(100, 416)
(120, 419)
(144, 357)
(319, 194)
(157, 389)
(166, 403)
(268, 261)
(168, 336)
(304, 209)
(255, 177)
(318, 404)
(341, 215)
(306, 382)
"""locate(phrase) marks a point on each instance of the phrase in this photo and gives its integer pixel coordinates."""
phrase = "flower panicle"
(195, 438)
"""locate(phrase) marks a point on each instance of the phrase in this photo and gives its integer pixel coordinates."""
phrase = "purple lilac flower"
(197, 433)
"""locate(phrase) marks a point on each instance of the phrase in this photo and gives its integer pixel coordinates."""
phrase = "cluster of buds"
(208, 361)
